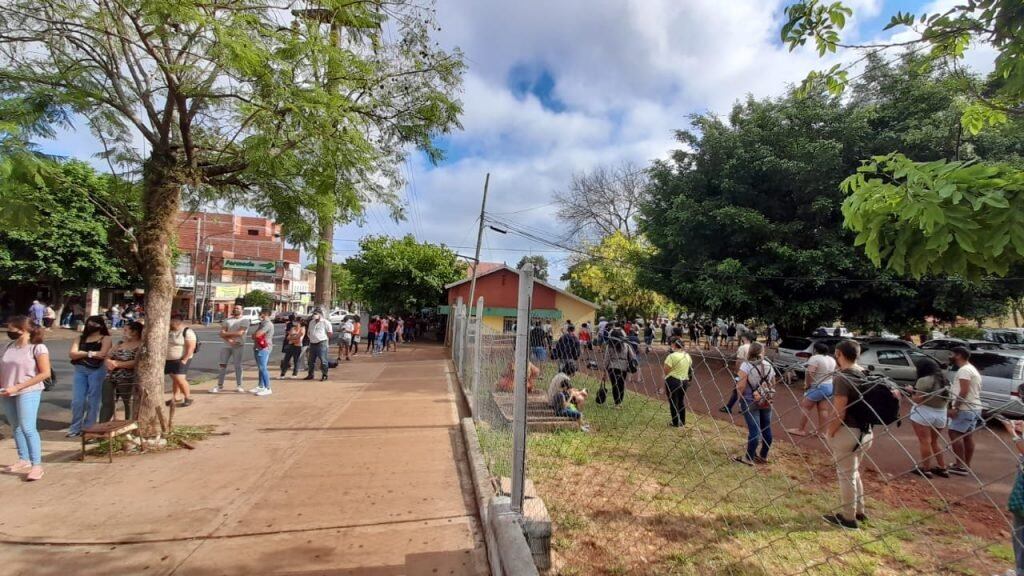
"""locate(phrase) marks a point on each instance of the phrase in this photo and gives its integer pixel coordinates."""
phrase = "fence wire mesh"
(630, 494)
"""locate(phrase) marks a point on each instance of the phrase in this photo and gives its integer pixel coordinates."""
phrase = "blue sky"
(555, 88)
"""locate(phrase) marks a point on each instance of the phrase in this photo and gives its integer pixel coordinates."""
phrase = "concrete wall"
(574, 310)
(501, 290)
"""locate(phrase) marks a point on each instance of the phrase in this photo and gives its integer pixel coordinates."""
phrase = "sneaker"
(725, 410)
(585, 428)
(760, 460)
(958, 470)
(240, 390)
(310, 377)
(838, 520)
(215, 390)
(186, 403)
(862, 517)
(921, 473)
(256, 390)
(264, 392)
(940, 472)
(323, 378)
(72, 434)
(744, 459)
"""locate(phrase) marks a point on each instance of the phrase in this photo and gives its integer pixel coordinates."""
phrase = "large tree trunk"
(161, 199)
(324, 257)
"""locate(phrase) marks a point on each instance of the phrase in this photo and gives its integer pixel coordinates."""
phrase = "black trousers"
(618, 380)
(292, 354)
(676, 391)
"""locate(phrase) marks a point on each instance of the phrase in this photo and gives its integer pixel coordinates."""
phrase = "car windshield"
(793, 343)
(1007, 338)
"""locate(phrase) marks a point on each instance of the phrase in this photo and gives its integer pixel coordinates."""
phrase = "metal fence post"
(524, 304)
(457, 337)
(477, 345)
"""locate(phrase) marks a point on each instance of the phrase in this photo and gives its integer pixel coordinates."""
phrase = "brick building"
(244, 253)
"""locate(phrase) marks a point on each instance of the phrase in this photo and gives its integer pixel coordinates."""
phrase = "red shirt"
(374, 327)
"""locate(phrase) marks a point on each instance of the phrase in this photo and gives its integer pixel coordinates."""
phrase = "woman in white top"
(818, 390)
(24, 366)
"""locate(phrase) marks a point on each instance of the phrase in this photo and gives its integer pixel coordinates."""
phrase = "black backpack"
(878, 402)
(198, 343)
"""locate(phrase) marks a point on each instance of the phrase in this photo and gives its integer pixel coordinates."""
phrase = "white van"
(252, 313)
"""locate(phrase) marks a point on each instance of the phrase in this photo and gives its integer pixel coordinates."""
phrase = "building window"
(254, 232)
(508, 324)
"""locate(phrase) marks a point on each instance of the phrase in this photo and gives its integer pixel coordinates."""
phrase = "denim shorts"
(965, 422)
(929, 416)
(819, 393)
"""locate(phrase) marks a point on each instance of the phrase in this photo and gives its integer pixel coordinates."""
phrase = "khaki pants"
(848, 448)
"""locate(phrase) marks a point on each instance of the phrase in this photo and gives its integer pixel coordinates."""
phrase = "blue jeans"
(262, 359)
(759, 428)
(86, 395)
(21, 411)
(540, 353)
(1018, 543)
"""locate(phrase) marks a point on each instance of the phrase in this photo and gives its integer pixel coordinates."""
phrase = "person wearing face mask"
(232, 332)
(87, 355)
(24, 366)
(120, 381)
(319, 333)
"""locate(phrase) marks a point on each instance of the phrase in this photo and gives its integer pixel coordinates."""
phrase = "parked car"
(252, 313)
(942, 348)
(1009, 339)
(884, 341)
(791, 358)
(1002, 374)
(831, 331)
(897, 362)
(282, 316)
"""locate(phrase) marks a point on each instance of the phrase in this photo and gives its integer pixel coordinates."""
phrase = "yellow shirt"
(679, 364)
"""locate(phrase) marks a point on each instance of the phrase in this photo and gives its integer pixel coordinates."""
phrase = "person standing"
(568, 348)
(965, 414)
(928, 415)
(24, 366)
(319, 333)
(357, 329)
(37, 312)
(538, 342)
(373, 328)
(232, 332)
(620, 355)
(664, 332)
(678, 373)
(393, 326)
(345, 339)
(87, 354)
(120, 381)
(294, 332)
(848, 438)
(400, 331)
(756, 390)
(115, 316)
(182, 344)
(742, 353)
(382, 336)
(648, 335)
(262, 342)
(49, 316)
(818, 389)
(1016, 501)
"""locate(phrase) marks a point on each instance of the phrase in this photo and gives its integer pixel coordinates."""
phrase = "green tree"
(925, 214)
(258, 298)
(540, 266)
(609, 278)
(229, 96)
(747, 218)
(69, 246)
(401, 274)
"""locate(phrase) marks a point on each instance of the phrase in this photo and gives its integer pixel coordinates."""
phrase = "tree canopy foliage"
(609, 278)
(540, 265)
(601, 202)
(401, 274)
(747, 215)
(935, 213)
(258, 298)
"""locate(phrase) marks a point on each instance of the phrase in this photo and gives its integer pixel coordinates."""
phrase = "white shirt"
(824, 366)
(319, 331)
(347, 328)
(971, 402)
(742, 352)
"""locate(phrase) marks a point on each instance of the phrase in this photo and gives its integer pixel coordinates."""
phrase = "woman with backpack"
(620, 362)
(756, 391)
(930, 398)
(24, 367)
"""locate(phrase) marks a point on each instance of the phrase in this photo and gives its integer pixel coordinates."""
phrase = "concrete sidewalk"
(363, 474)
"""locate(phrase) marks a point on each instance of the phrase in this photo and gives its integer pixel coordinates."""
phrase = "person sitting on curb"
(564, 399)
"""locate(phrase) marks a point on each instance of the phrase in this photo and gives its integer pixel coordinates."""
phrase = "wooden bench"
(108, 431)
(540, 417)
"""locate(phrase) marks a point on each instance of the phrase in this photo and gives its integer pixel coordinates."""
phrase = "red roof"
(484, 268)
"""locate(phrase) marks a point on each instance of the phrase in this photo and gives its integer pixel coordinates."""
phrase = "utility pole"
(479, 239)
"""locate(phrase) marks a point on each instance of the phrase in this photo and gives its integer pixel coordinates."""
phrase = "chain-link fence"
(635, 487)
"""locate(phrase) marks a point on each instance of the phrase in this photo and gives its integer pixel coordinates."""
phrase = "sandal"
(797, 432)
(18, 466)
(36, 473)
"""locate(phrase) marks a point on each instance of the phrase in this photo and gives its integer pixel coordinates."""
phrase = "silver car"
(942, 348)
(1002, 374)
(897, 362)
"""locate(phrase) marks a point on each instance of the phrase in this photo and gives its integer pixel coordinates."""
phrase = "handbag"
(1016, 501)
(602, 394)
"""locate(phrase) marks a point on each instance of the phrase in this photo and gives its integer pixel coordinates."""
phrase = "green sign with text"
(250, 265)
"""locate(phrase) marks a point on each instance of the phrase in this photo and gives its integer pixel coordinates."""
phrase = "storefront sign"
(261, 266)
(227, 292)
(184, 281)
(267, 287)
(300, 286)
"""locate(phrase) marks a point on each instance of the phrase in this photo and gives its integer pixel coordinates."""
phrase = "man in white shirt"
(232, 332)
(965, 414)
(319, 333)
